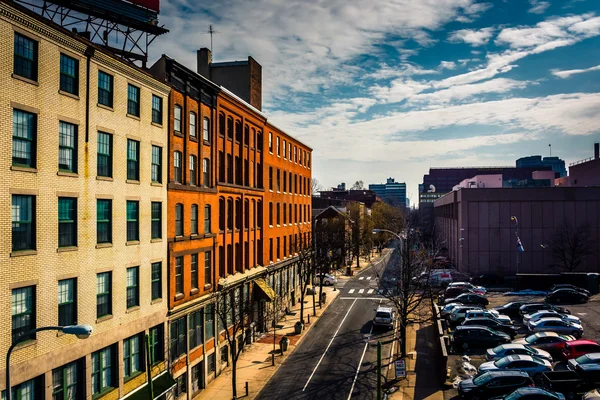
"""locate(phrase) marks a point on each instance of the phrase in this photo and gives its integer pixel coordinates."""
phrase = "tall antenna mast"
(211, 31)
(550, 146)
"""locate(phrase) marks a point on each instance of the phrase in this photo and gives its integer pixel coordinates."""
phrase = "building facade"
(583, 172)
(391, 192)
(557, 165)
(85, 174)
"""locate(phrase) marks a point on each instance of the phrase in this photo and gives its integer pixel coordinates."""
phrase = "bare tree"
(358, 185)
(315, 186)
(570, 245)
(306, 264)
(385, 216)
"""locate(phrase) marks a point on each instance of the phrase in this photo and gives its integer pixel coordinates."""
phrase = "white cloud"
(447, 65)
(567, 73)
(538, 7)
(474, 37)
(399, 90)
(462, 92)
(386, 71)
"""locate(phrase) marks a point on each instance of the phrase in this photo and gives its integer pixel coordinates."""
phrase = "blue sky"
(395, 87)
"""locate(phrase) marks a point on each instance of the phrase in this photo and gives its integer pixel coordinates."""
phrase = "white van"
(384, 316)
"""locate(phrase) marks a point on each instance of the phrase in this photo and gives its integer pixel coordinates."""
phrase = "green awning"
(161, 385)
(264, 287)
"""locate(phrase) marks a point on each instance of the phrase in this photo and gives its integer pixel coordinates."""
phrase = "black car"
(511, 309)
(530, 308)
(493, 383)
(468, 336)
(491, 323)
(566, 296)
(468, 298)
(487, 279)
(569, 286)
(455, 291)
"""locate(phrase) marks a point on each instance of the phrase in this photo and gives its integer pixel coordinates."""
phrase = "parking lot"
(589, 313)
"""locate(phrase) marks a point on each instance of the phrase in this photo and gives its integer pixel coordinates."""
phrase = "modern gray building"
(391, 192)
(557, 165)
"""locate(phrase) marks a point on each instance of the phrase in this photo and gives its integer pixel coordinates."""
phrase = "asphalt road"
(337, 359)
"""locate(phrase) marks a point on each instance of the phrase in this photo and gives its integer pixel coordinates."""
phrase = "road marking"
(361, 291)
(393, 344)
(329, 345)
(359, 298)
(370, 291)
(361, 360)
(368, 277)
(351, 291)
(361, 278)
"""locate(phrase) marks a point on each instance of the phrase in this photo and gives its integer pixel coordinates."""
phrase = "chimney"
(596, 151)
(204, 60)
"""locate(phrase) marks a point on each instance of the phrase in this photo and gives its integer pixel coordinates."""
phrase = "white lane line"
(393, 344)
(361, 360)
(370, 291)
(359, 298)
(361, 278)
(329, 345)
(361, 291)
(351, 291)
(368, 277)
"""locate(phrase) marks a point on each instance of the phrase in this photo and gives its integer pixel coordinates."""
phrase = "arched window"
(238, 131)
(229, 128)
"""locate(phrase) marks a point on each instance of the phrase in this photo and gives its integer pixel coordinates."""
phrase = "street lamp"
(520, 248)
(81, 331)
(377, 230)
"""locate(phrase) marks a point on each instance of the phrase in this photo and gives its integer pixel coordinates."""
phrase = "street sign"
(401, 368)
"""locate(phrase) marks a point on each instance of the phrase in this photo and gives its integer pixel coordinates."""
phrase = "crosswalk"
(361, 291)
(362, 277)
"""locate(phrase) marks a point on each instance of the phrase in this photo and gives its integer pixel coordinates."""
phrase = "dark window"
(197, 377)
(270, 142)
(179, 220)
(25, 57)
(270, 178)
(69, 74)
(194, 222)
(207, 218)
(156, 280)
(178, 338)
(67, 382)
(67, 147)
(23, 222)
(246, 173)
(193, 128)
(259, 175)
(177, 119)
(105, 89)
(103, 221)
(193, 164)
(206, 172)
(222, 124)
(209, 322)
(207, 268)
(284, 149)
(221, 167)
(277, 141)
(238, 214)
(104, 167)
(133, 221)
(133, 160)
(222, 214)
(133, 100)
(156, 212)
(210, 367)
(156, 170)
(246, 214)
(259, 141)
(179, 275)
(24, 139)
(133, 287)
(238, 170)
(67, 302)
(206, 129)
(104, 370)
(271, 214)
(132, 360)
(103, 294)
(260, 214)
(229, 168)
(246, 135)
(180, 386)
(23, 312)
(230, 128)
(177, 167)
(157, 116)
(194, 270)
(238, 131)
(230, 213)
(196, 328)
(67, 222)
(156, 339)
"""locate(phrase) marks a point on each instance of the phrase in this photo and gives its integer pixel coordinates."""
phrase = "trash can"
(323, 298)
(349, 271)
(283, 344)
(298, 326)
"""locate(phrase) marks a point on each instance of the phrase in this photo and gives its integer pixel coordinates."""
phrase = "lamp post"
(520, 248)
(81, 331)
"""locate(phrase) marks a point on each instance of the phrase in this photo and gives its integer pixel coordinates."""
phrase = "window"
(67, 147)
(177, 167)
(156, 169)
(230, 213)
(103, 295)
(196, 328)
(259, 142)
(246, 214)
(221, 124)
(179, 220)
(206, 172)
(23, 222)
(271, 214)
(66, 384)
(180, 385)
(290, 151)
(229, 128)
(270, 142)
(103, 221)
(178, 339)
(103, 370)
(194, 227)
(209, 322)
(67, 222)
(197, 378)
(104, 167)
(221, 167)
(207, 218)
(131, 356)
(284, 214)
(23, 312)
(284, 149)
(157, 116)
(238, 214)
(69, 74)
(133, 289)
(193, 124)
(156, 280)
(193, 170)
(67, 306)
(271, 249)
(210, 368)
(133, 223)
(246, 173)
(278, 147)
(194, 270)
(278, 214)
(25, 58)
(284, 181)
(105, 89)
(133, 160)
(246, 135)
(179, 275)
(270, 178)
(278, 179)
(295, 155)
(238, 131)
(221, 214)
(177, 118)
(133, 100)
(229, 168)
(207, 268)
(278, 248)
(206, 129)
(24, 140)
(156, 339)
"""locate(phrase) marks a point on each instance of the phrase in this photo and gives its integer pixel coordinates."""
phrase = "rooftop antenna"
(550, 146)
(210, 32)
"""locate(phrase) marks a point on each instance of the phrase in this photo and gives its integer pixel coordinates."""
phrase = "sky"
(391, 88)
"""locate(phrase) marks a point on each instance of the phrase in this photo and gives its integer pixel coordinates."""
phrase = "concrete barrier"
(441, 343)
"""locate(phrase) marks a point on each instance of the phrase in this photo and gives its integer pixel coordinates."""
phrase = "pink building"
(484, 181)
(583, 173)
(476, 225)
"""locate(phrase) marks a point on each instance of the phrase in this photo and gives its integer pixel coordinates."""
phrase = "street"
(338, 357)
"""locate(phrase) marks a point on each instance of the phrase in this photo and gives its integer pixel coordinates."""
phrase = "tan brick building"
(84, 161)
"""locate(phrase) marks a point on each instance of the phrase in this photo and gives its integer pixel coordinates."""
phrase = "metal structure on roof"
(125, 28)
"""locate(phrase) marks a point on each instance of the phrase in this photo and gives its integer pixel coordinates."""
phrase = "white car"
(448, 308)
(475, 288)
(493, 314)
(459, 313)
(592, 395)
(384, 316)
(509, 349)
(531, 365)
(328, 280)
(550, 314)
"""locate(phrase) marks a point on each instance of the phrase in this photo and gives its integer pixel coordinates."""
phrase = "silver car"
(448, 308)
(493, 314)
(509, 349)
(550, 314)
(328, 280)
(531, 365)
(586, 359)
(556, 325)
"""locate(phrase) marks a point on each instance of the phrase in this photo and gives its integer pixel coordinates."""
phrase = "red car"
(552, 342)
(577, 348)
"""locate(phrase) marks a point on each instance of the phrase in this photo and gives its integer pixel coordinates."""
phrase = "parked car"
(477, 336)
(566, 296)
(493, 314)
(571, 383)
(531, 365)
(531, 393)
(455, 292)
(550, 314)
(592, 395)
(487, 279)
(491, 323)
(493, 383)
(511, 309)
(556, 325)
(468, 285)
(590, 358)
(384, 316)
(577, 348)
(530, 308)
(569, 286)
(551, 342)
(468, 298)
(511, 348)
(328, 279)
(459, 313)
(448, 308)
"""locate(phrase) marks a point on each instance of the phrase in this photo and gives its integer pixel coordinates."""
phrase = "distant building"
(391, 192)
(557, 165)
(362, 195)
(584, 172)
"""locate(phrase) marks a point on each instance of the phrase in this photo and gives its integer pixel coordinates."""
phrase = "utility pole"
(379, 370)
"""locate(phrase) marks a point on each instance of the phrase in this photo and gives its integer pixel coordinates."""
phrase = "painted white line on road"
(369, 277)
(370, 291)
(393, 344)
(351, 291)
(361, 278)
(361, 360)
(361, 291)
(359, 298)
(329, 345)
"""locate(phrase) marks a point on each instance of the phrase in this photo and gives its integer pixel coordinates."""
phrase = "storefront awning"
(160, 385)
(266, 290)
